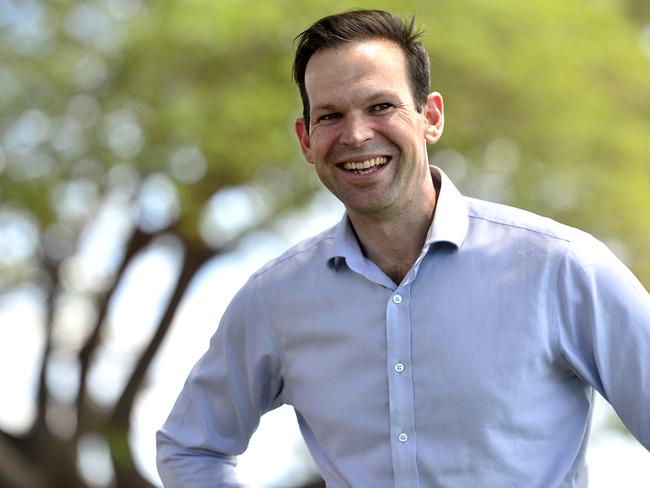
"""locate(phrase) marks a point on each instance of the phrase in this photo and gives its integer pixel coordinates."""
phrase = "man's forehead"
(369, 48)
(332, 68)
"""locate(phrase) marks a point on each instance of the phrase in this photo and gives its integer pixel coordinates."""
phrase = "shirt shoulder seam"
(553, 311)
(291, 253)
(266, 317)
(520, 226)
(270, 332)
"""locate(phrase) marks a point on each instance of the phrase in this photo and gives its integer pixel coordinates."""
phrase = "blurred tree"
(142, 117)
(147, 114)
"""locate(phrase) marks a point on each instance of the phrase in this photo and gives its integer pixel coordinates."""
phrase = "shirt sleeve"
(603, 316)
(233, 384)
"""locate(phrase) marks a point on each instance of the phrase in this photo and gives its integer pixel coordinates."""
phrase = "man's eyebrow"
(324, 106)
(384, 94)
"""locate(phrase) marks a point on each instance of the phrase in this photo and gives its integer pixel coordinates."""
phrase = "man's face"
(366, 139)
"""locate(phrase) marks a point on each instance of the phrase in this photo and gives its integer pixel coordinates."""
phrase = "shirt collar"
(345, 246)
(450, 224)
(451, 221)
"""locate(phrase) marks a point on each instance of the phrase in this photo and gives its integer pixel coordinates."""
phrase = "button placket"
(400, 385)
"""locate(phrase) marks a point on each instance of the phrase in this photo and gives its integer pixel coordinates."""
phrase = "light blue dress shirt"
(477, 370)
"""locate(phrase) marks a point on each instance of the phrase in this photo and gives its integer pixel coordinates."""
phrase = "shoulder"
(299, 259)
(520, 221)
(284, 275)
(574, 248)
(518, 229)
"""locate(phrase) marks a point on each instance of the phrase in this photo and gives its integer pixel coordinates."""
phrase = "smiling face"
(366, 139)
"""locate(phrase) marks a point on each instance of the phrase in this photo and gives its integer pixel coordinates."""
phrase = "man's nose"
(355, 131)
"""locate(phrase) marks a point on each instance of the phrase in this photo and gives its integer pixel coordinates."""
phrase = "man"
(428, 339)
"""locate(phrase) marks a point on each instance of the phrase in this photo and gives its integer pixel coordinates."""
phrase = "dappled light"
(122, 133)
(18, 237)
(230, 211)
(158, 205)
(94, 463)
(187, 164)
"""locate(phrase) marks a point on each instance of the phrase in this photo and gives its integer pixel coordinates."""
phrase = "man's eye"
(326, 117)
(380, 107)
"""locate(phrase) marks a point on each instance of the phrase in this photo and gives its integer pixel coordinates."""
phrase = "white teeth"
(356, 165)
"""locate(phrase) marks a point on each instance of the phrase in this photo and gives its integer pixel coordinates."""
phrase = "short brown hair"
(363, 25)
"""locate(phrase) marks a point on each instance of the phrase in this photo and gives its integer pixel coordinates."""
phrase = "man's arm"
(235, 382)
(604, 330)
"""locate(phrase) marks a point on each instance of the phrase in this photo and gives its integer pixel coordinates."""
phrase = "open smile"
(366, 166)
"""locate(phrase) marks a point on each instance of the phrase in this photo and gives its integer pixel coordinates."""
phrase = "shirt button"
(403, 437)
(399, 367)
(397, 298)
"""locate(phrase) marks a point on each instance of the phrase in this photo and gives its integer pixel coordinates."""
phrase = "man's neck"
(394, 243)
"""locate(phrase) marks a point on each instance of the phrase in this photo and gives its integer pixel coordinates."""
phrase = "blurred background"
(148, 166)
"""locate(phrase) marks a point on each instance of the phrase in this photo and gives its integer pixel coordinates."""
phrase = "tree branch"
(42, 395)
(138, 241)
(15, 470)
(193, 260)
(118, 439)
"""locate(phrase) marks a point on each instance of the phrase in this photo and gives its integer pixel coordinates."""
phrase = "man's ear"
(434, 112)
(302, 131)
